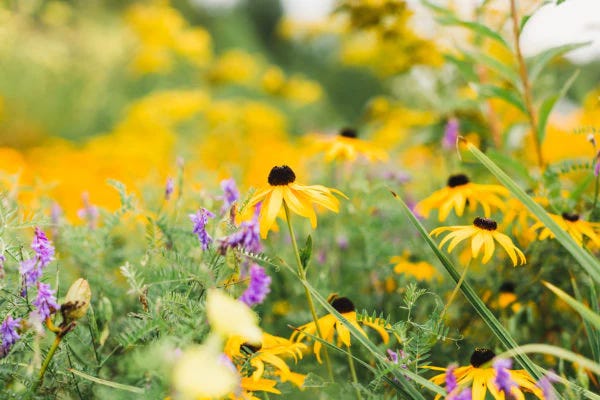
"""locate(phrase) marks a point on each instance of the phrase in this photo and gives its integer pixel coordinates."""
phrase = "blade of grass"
(585, 259)
(113, 385)
(495, 326)
(592, 334)
(581, 308)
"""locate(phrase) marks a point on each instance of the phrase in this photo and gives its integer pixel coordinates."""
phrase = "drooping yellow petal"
(488, 247)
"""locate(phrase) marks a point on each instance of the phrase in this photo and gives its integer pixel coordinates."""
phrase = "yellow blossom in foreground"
(299, 198)
(204, 372)
(329, 325)
(230, 317)
(482, 379)
(460, 193)
(483, 233)
(574, 225)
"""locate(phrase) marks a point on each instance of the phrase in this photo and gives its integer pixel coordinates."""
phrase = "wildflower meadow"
(324, 199)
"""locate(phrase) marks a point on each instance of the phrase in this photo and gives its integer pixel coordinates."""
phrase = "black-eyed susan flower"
(483, 233)
(267, 359)
(507, 297)
(459, 193)
(299, 198)
(329, 325)
(346, 146)
(574, 225)
(483, 378)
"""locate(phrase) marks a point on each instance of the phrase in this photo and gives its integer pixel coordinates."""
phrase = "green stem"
(596, 190)
(49, 356)
(451, 298)
(353, 373)
(302, 275)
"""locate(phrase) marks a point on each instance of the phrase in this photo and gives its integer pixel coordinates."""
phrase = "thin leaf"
(537, 63)
(581, 308)
(486, 315)
(548, 105)
(512, 163)
(585, 259)
(492, 91)
(113, 385)
(464, 67)
(592, 334)
(306, 252)
(507, 72)
(474, 27)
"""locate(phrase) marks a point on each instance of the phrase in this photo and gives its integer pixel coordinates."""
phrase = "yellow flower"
(329, 325)
(519, 216)
(230, 317)
(347, 147)
(481, 379)
(483, 233)
(77, 300)
(574, 225)
(203, 372)
(507, 297)
(250, 385)
(270, 352)
(420, 270)
(459, 193)
(299, 198)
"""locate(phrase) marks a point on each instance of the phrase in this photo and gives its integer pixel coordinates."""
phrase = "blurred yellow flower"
(234, 66)
(230, 317)
(573, 225)
(420, 270)
(204, 372)
(283, 191)
(345, 147)
(483, 233)
(460, 193)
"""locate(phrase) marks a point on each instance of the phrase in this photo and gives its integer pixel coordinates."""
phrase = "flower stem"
(302, 276)
(353, 373)
(48, 358)
(453, 294)
(527, 98)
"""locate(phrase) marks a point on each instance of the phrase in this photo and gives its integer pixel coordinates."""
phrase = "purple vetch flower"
(342, 242)
(230, 193)
(89, 212)
(450, 134)
(247, 237)
(463, 395)
(8, 334)
(30, 271)
(45, 302)
(258, 288)
(450, 378)
(2, 261)
(597, 165)
(545, 383)
(43, 247)
(503, 380)
(393, 356)
(169, 187)
(200, 219)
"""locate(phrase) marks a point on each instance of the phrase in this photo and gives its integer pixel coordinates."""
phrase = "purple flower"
(393, 356)
(342, 242)
(503, 380)
(464, 395)
(247, 237)
(545, 383)
(42, 247)
(450, 134)
(2, 261)
(169, 187)
(55, 214)
(8, 334)
(31, 272)
(451, 384)
(258, 288)
(200, 219)
(45, 302)
(230, 193)
(597, 165)
(89, 212)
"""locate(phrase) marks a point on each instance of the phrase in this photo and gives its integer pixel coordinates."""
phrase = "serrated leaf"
(548, 105)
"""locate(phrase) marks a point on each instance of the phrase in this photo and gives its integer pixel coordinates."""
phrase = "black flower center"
(349, 133)
(480, 356)
(281, 176)
(572, 217)
(342, 305)
(250, 348)
(457, 180)
(507, 287)
(485, 223)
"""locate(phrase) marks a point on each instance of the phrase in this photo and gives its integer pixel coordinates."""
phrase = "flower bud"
(77, 300)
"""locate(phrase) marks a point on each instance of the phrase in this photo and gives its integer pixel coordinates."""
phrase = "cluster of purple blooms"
(169, 188)
(502, 378)
(247, 237)
(200, 219)
(230, 194)
(450, 134)
(258, 288)
(31, 269)
(454, 392)
(9, 334)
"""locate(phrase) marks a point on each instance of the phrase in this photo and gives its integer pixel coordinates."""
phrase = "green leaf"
(592, 334)
(474, 27)
(512, 163)
(507, 72)
(536, 64)
(306, 252)
(581, 308)
(486, 315)
(464, 67)
(104, 382)
(492, 91)
(585, 259)
(548, 105)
